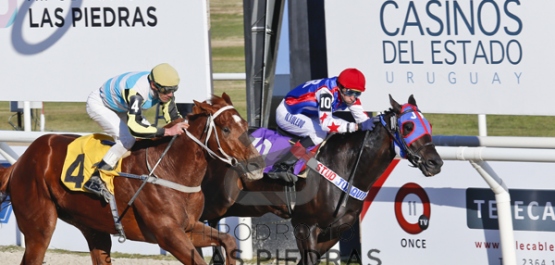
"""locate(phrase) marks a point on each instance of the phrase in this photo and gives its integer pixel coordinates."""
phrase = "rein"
(343, 199)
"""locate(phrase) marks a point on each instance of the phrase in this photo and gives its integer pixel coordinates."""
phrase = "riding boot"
(283, 168)
(115, 215)
(95, 183)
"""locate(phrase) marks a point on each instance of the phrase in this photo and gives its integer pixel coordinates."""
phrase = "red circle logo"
(423, 220)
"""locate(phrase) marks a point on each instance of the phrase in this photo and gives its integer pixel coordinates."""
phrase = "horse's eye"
(408, 127)
(226, 130)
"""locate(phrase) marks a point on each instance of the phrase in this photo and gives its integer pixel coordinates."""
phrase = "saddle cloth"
(272, 145)
(82, 155)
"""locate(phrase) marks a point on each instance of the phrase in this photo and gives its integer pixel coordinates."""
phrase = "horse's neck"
(377, 154)
(381, 156)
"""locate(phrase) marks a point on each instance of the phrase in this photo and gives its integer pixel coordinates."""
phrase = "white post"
(503, 200)
(27, 115)
(42, 120)
(244, 236)
(482, 125)
(335, 249)
(19, 237)
(7, 152)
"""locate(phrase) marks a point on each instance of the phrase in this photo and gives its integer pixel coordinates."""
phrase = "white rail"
(477, 157)
(469, 148)
(496, 154)
(229, 76)
(495, 141)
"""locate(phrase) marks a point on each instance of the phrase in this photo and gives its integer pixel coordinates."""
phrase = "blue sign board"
(5, 212)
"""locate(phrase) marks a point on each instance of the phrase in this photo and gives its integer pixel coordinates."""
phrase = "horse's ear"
(412, 101)
(227, 98)
(204, 107)
(196, 109)
(396, 107)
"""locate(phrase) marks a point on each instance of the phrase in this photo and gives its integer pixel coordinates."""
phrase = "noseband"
(399, 141)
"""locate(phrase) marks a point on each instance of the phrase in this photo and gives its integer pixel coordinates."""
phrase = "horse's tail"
(5, 173)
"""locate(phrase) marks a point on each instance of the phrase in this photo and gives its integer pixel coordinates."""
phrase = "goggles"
(165, 89)
(350, 92)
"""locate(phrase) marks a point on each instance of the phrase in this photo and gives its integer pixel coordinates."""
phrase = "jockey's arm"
(138, 125)
(325, 114)
(170, 111)
(358, 112)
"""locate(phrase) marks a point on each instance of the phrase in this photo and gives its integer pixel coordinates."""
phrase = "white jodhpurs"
(113, 124)
(300, 124)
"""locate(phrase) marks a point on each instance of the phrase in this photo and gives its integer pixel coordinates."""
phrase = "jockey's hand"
(176, 129)
(367, 125)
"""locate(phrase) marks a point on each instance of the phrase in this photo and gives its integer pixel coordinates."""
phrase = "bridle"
(399, 142)
(211, 126)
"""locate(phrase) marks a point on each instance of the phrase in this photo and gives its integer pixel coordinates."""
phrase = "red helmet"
(352, 78)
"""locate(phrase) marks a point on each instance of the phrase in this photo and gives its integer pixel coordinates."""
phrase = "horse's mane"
(389, 111)
(352, 142)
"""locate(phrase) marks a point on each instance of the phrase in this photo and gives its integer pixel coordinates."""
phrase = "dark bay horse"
(159, 214)
(322, 211)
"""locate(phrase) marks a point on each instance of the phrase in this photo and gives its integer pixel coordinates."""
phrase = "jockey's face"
(349, 96)
(164, 97)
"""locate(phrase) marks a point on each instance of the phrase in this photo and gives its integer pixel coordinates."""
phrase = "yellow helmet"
(165, 78)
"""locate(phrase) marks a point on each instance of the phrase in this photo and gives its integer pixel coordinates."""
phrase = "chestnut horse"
(159, 214)
(322, 211)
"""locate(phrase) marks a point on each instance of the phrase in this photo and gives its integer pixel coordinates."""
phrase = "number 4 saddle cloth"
(82, 155)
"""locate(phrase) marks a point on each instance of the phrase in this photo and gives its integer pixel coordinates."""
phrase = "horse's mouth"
(255, 175)
(429, 171)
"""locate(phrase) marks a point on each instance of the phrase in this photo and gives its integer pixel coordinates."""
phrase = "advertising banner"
(59, 50)
(467, 57)
(452, 218)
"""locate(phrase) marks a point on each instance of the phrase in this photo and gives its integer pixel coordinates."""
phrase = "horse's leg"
(38, 233)
(173, 239)
(216, 249)
(307, 237)
(203, 236)
(323, 247)
(214, 224)
(327, 238)
(100, 245)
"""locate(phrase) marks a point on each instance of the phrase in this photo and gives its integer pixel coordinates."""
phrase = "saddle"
(272, 144)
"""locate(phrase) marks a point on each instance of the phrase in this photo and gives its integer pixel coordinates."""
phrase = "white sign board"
(451, 218)
(59, 50)
(468, 57)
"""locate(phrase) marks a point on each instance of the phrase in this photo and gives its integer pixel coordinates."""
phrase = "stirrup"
(285, 176)
(117, 221)
(284, 172)
(98, 187)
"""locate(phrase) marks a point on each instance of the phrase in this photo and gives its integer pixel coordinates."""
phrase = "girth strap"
(162, 182)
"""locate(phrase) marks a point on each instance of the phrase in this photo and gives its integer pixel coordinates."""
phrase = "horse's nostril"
(435, 163)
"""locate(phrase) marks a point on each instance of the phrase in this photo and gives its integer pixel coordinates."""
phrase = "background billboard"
(467, 57)
(452, 218)
(56, 50)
